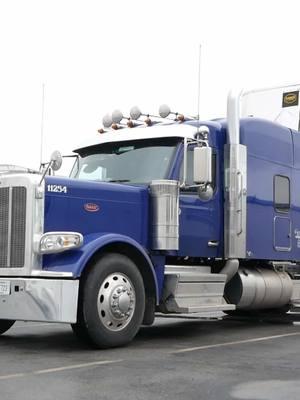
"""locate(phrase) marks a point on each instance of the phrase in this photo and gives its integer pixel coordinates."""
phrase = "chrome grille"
(4, 211)
(18, 226)
(12, 226)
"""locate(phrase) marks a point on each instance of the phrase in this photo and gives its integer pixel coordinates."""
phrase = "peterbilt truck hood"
(96, 207)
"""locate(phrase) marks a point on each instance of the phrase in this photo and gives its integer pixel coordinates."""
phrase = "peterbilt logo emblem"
(91, 207)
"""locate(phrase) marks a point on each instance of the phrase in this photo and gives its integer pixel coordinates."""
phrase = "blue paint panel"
(123, 209)
(122, 218)
(267, 140)
(282, 233)
(260, 209)
(159, 262)
(296, 146)
(198, 223)
(74, 261)
(270, 152)
(201, 221)
(295, 197)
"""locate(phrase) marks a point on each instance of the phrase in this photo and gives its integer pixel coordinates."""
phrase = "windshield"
(137, 161)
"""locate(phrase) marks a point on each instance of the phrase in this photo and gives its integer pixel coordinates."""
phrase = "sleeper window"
(282, 193)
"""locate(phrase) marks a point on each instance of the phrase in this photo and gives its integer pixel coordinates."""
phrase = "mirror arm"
(205, 191)
(185, 148)
(55, 164)
(45, 171)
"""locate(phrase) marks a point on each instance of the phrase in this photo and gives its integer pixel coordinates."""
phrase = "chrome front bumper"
(39, 299)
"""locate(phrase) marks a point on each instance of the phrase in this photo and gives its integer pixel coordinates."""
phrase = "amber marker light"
(148, 121)
(130, 123)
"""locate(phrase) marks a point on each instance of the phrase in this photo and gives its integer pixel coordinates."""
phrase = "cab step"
(193, 289)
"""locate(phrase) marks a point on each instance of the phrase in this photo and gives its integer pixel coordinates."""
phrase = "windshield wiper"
(118, 180)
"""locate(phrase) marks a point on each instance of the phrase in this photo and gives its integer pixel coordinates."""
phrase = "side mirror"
(54, 164)
(56, 160)
(202, 165)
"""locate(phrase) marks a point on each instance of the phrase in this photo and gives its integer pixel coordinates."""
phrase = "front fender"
(74, 261)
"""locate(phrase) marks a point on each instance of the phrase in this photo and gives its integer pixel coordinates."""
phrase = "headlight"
(56, 242)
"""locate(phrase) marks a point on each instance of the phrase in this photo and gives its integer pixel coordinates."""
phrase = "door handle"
(213, 243)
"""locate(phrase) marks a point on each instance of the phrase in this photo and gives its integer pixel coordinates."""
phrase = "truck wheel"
(5, 324)
(112, 302)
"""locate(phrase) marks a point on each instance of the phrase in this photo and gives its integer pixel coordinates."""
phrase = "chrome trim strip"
(235, 160)
(235, 209)
(185, 149)
(9, 227)
(51, 274)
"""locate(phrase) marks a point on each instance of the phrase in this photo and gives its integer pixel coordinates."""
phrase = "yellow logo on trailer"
(290, 99)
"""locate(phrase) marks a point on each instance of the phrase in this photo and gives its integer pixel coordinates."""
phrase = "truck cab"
(182, 217)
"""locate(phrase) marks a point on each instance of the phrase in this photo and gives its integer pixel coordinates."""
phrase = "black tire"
(5, 325)
(97, 323)
(81, 332)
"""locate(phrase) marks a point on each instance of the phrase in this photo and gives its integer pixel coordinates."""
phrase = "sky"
(95, 56)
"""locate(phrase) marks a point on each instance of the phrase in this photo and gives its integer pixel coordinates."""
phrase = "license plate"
(4, 288)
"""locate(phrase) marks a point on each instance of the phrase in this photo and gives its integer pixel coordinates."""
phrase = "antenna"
(42, 124)
(199, 84)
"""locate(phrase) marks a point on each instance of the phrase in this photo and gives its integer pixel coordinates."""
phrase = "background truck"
(176, 216)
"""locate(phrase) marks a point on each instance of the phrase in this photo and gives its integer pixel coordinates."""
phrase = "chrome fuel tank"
(259, 288)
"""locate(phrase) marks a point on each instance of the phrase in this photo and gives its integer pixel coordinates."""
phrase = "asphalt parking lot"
(177, 358)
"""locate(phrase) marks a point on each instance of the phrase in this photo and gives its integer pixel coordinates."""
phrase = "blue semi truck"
(179, 217)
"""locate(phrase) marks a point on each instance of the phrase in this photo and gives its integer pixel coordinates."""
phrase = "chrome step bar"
(193, 289)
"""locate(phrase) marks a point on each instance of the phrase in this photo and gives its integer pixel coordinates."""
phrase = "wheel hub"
(116, 301)
(121, 301)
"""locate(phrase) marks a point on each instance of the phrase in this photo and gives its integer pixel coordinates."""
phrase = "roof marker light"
(115, 127)
(117, 116)
(180, 118)
(130, 123)
(107, 121)
(135, 113)
(148, 121)
(164, 111)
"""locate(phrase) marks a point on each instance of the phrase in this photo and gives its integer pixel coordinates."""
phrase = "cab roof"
(158, 130)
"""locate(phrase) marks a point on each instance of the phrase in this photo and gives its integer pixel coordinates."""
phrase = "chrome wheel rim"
(116, 301)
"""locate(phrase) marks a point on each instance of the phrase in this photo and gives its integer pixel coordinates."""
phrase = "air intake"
(12, 226)
(165, 211)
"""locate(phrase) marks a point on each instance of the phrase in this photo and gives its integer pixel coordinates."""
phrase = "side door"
(200, 221)
(282, 217)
